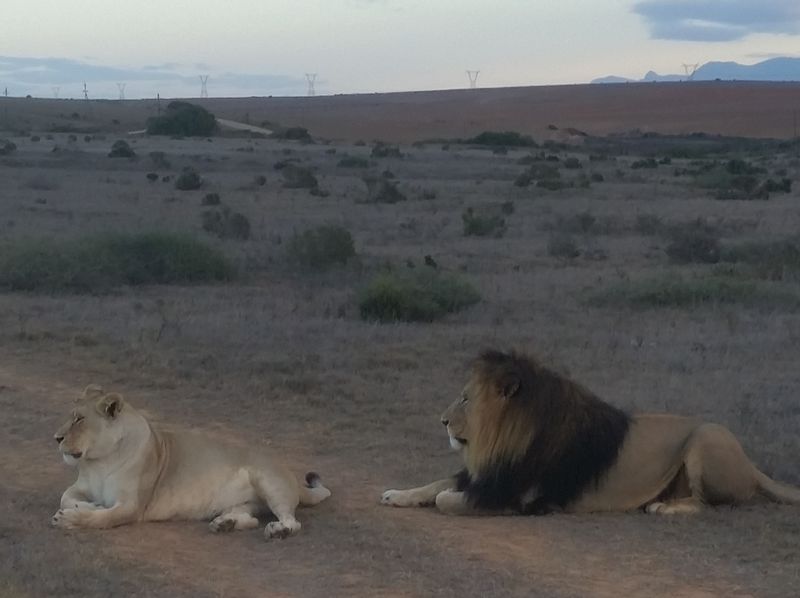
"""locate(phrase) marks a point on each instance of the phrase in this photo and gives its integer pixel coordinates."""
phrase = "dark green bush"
(482, 225)
(121, 149)
(298, 177)
(384, 150)
(99, 263)
(572, 163)
(562, 245)
(353, 162)
(183, 118)
(693, 245)
(321, 247)
(382, 190)
(226, 224)
(7, 147)
(679, 292)
(419, 295)
(503, 139)
(188, 180)
(773, 260)
(210, 199)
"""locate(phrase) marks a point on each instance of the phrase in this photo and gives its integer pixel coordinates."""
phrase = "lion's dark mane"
(578, 438)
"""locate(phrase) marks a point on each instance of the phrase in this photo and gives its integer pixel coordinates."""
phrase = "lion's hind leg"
(239, 517)
(282, 498)
(716, 472)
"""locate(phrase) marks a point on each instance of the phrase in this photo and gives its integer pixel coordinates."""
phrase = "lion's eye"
(464, 399)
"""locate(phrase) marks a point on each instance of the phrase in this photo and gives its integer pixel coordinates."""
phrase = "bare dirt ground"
(281, 356)
(751, 109)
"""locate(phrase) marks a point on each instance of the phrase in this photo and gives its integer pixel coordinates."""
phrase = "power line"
(690, 69)
(55, 91)
(203, 86)
(311, 78)
(473, 79)
(85, 91)
(121, 87)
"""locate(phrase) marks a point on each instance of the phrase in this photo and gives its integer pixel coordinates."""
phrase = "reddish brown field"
(282, 356)
(725, 108)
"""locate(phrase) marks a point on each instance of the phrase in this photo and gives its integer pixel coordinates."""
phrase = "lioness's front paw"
(67, 518)
(399, 498)
(281, 529)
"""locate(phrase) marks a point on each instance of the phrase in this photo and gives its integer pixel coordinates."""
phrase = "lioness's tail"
(777, 491)
(313, 492)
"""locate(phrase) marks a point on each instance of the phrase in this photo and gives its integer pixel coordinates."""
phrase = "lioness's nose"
(445, 421)
(59, 438)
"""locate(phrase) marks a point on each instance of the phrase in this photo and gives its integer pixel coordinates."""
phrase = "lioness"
(131, 470)
(534, 441)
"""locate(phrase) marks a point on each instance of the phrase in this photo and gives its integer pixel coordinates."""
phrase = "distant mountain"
(773, 69)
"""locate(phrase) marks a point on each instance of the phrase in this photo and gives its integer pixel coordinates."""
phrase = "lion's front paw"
(67, 518)
(450, 502)
(399, 498)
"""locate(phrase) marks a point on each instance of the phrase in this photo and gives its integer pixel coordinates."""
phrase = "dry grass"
(285, 356)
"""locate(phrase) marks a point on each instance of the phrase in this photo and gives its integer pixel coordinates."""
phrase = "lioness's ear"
(93, 390)
(510, 386)
(110, 405)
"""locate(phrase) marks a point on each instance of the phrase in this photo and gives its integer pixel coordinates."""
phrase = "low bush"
(298, 177)
(183, 118)
(419, 295)
(693, 245)
(226, 224)
(102, 262)
(483, 224)
(680, 292)
(384, 150)
(353, 162)
(503, 139)
(321, 248)
(188, 180)
(121, 149)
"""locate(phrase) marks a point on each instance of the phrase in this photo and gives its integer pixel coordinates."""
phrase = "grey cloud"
(36, 74)
(718, 20)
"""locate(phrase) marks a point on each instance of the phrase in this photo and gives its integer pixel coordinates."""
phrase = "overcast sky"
(264, 47)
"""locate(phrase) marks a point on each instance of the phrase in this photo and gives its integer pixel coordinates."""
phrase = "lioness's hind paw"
(655, 507)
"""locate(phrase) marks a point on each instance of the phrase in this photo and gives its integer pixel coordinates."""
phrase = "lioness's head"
(491, 419)
(93, 429)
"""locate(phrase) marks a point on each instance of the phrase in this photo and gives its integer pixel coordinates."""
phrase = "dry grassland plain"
(663, 272)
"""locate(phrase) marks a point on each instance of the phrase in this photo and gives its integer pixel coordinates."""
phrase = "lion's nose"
(59, 438)
(445, 421)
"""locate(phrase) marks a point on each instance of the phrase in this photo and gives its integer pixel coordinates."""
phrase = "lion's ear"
(510, 386)
(110, 405)
(92, 391)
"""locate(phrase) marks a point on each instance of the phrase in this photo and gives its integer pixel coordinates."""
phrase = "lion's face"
(92, 430)
(456, 418)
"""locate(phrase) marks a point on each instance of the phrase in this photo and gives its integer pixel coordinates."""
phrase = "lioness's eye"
(78, 419)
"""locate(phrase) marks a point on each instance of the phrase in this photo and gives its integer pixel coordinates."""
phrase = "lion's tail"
(313, 492)
(776, 490)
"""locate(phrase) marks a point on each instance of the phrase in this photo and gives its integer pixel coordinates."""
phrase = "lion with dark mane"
(534, 441)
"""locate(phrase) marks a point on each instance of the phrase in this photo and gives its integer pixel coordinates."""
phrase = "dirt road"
(349, 546)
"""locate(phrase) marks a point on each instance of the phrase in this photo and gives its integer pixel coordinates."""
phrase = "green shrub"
(121, 149)
(649, 224)
(483, 225)
(210, 199)
(384, 150)
(226, 224)
(321, 247)
(782, 186)
(152, 176)
(739, 167)
(644, 163)
(679, 292)
(353, 162)
(183, 118)
(7, 147)
(693, 245)
(572, 163)
(382, 190)
(298, 177)
(188, 180)
(505, 138)
(562, 245)
(99, 263)
(773, 260)
(419, 295)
